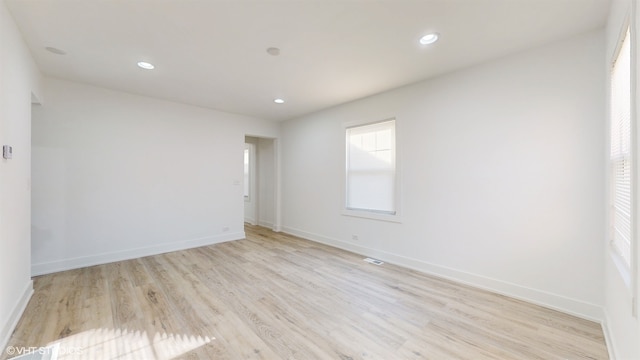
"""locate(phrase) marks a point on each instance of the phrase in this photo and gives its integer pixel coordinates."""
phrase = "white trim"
(363, 213)
(267, 224)
(561, 303)
(277, 193)
(608, 335)
(623, 270)
(16, 314)
(372, 215)
(104, 258)
(634, 267)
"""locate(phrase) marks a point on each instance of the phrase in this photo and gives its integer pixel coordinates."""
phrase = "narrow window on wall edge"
(622, 153)
(246, 171)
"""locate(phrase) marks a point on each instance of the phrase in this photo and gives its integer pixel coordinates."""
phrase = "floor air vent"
(374, 261)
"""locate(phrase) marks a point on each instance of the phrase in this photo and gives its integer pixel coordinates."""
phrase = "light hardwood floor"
(274, 296)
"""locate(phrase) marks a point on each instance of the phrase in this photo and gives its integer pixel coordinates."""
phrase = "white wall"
(118, 176)
(266, 151)
(19, 79)
(623, 329)
(502, 176)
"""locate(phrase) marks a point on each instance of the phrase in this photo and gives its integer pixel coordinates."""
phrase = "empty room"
(319, 179)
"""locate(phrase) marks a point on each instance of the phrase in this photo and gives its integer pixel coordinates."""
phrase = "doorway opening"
(260, 182)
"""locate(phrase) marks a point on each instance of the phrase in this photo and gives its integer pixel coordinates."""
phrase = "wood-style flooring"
(275, 296)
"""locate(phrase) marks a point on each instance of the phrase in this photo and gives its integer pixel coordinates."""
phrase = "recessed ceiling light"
(429, 39)
(145, 65)
(273, 51)
(55, 50)
(278, 101)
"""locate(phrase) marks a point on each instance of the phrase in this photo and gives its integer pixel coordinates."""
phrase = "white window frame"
(363, 213)
(249, 169)
(625, 260)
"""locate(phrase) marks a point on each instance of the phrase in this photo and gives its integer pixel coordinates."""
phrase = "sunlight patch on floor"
(126, 344)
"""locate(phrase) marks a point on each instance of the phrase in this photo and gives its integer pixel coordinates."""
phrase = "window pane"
(246, 172)
(371, 168)
(621, 163)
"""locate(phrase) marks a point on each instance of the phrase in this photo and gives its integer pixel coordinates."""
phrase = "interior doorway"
(260, 181)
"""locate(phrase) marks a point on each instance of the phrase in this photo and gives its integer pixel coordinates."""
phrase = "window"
(371, 168)
(246, 172)
(621, 152)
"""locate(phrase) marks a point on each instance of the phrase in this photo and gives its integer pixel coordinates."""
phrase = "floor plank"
(275, 296)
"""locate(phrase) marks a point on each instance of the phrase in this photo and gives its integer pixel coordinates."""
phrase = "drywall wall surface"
(267, 186)
(19, 82)
(501, 176)
(119, 176)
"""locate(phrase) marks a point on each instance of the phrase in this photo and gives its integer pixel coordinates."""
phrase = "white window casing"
(371, 178)
(621, 159)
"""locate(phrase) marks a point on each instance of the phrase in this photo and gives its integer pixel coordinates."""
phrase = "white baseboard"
(549, 300)
(98, 259)
(266, 224)
(16, 314)
(608, 336)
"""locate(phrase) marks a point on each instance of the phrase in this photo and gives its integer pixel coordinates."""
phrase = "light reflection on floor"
(125, 344)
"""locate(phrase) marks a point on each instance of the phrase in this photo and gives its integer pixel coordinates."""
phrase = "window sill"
(623, 269)
(372, 216)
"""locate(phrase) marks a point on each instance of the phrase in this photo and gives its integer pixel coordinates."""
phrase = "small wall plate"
(7, 151)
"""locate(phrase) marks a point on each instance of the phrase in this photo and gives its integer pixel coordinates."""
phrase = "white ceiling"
(212, 53)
